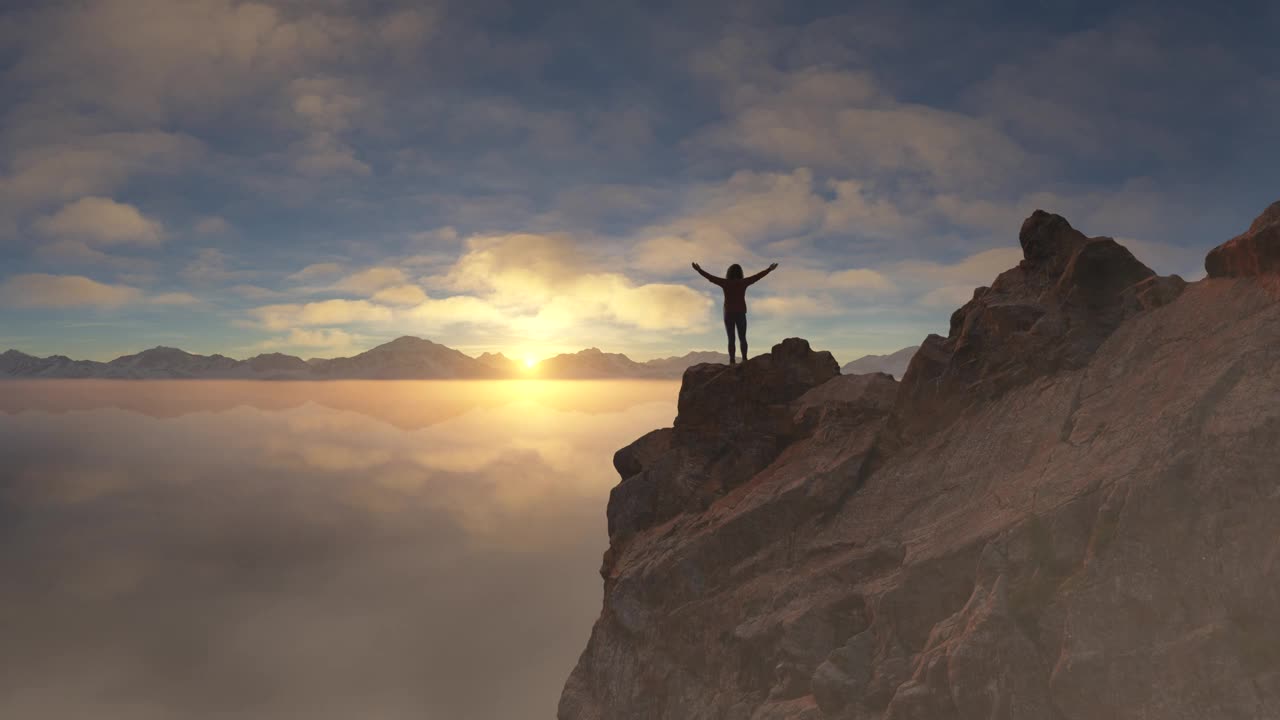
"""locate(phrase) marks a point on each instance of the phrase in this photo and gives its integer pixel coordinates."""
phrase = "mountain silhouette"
(405, 358)
(894, 364)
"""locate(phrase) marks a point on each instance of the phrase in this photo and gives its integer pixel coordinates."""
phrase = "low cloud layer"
(276, 553)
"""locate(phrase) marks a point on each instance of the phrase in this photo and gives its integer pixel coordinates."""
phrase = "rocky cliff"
(1068, 509)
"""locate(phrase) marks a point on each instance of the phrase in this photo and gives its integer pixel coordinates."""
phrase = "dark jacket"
(735, 291)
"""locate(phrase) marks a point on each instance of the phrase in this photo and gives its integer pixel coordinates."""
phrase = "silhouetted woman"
(735, 301)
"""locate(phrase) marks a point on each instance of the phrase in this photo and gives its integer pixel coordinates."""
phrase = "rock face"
(1255, 252)
(1093, 537)
(1049, 313)
(894, 364)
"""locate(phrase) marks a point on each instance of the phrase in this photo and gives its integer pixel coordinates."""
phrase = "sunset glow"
(319, 178)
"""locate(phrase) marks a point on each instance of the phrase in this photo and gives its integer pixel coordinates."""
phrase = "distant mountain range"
(894, 364)
(403, 358)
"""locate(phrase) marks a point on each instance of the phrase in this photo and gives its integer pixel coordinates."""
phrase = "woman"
(735, 301)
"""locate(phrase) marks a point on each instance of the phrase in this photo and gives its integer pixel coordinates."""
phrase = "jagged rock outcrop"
(1093, 537)
(1050, 312)
(1254, 252)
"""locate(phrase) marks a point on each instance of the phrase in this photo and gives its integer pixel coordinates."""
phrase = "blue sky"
(317, 177)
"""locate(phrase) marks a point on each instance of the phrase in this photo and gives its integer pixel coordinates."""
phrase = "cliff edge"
(1067, 509)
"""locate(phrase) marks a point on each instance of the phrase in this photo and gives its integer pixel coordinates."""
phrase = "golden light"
(529, 362)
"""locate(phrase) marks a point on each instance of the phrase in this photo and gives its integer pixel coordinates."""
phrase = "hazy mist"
(304, 550)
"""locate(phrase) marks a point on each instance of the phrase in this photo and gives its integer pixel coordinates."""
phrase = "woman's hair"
(735, 272)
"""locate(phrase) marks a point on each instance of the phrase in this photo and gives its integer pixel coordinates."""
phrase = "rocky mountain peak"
(1050, 312)
(1081, 524)
(1254, 252)
(1048, 242)
(405, 342)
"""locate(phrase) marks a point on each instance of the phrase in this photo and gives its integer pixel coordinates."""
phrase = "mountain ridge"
(405, 357)
(1064, 510)
(894, 363)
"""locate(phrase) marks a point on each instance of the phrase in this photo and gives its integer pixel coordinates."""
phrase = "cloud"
(75, 165)
(37, 290)
(753, 216)
(178, 57)
(327, 342)
(543, 284)
(320, 337)
(78, 252)
(371, 280)
(173, 298)
(212, 225)
(400, 295)
(324, 312)
(447, 236)
(42, 290)
(103, 221)
(211, 265)
(316, 270)
(439, 313)
(858, 209)
(722, 220)
(840, 121)
(254, 292)
(795, 306)
(975, 270)
(950, 296)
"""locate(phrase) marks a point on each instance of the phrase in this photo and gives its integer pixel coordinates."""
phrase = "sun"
(529, 362)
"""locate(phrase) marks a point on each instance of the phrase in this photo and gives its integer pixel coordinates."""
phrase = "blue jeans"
(738, 320)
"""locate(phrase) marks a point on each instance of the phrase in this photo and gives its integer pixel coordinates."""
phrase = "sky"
(316, 177)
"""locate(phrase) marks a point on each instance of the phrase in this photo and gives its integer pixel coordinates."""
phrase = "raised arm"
(707, 275)
(762, 273)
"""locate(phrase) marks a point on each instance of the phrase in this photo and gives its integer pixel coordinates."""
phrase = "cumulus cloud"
(722, 220)
(174, 57)
(324, 312)
(370, 280)
(795, 306)
(842, 122)
(75, 165)
(977, 269)
(327, 342)
(104, 221)
(400, 295)
(316, 270)
(42, 290)
(61, 291)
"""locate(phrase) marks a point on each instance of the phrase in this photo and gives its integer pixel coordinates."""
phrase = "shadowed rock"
(1051, 312)
(1086, 530)
(732, 422)
(1254, 252)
